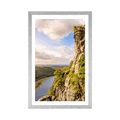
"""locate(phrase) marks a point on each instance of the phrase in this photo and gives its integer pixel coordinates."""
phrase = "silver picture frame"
(30, 14)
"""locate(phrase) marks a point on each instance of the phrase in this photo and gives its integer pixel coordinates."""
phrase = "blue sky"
(42, 38)
(68, 40)
(54, 41)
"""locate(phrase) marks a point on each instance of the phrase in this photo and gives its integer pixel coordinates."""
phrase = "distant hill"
(43, 71)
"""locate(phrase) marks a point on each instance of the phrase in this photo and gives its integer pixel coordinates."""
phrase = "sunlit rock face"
(69, 83)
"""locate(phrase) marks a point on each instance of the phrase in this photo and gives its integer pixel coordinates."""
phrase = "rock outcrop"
(69, 83)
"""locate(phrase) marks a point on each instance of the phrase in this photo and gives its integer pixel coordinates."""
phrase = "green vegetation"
(38, 83)
(82, 67)
(51, 91)
(60, 75)
(71, 63)
(42, 72)
(82, 60)
(74, 79)
(65, 69)
(74, 85)
(70, 74)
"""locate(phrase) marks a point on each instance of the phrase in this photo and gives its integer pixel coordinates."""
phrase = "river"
(43, 89)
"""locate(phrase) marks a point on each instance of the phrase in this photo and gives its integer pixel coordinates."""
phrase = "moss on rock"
(82, 67)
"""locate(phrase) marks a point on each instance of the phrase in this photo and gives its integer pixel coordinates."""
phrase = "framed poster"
(60, 59)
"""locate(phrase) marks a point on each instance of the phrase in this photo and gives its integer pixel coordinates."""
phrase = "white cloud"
(46, 54)
(56, 29)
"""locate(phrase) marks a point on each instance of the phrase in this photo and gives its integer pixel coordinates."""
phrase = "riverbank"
(43, 86)
(42, 77)
(39, 82)
(42, 72)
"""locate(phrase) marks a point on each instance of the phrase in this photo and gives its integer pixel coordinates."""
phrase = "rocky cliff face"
(69, 83)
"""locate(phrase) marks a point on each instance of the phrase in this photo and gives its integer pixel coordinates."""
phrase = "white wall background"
(14, 62)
